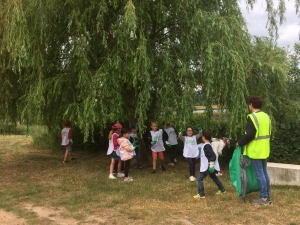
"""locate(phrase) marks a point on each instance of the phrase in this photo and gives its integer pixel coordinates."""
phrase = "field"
(36, 188)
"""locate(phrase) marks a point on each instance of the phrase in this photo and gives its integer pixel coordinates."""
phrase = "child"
(190, 149)
(172, 139)
(218, 145)
(126, 151)
(66, 140)
(157, 139)
(208, 165)
(113, 151)
(134, 140)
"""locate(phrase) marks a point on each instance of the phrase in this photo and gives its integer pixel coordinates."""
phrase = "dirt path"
(46, 215)
(7, 218)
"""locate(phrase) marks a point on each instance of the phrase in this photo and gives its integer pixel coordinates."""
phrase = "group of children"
(123, 145)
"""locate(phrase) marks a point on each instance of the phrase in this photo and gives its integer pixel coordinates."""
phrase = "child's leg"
(154, 162)
(138, 157)
(192, 165)
(200, 179)
(126, 167)
(119, 165)
(217, 181)
(172, 153)
(66, 156)
(112, 164)
(160, 155)
(69, 155)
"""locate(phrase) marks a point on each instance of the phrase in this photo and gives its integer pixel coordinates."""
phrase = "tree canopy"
(100, 61)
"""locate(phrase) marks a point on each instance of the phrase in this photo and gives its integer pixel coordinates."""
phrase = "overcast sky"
(257, 20)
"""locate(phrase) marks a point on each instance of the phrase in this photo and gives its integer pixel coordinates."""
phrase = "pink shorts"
(159, 155)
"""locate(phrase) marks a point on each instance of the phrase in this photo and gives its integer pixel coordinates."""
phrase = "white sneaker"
(120, 175)
(111, 176)
(175, 160)
(171, 164)
(192, 178)
(128, 179)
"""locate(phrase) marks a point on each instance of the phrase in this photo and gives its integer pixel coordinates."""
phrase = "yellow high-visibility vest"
(259, 147)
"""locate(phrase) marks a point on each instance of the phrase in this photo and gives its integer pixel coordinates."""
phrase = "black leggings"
(192, 165)
(126, 167)
(172, 153)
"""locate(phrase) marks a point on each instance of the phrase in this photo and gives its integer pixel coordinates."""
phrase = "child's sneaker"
(127, 179)
(111, 176)
(220, 192)
(199, 196)
(153, 171)
(163, 167)
(120, 175)
(219, 174)
(171, 164)
(192, 178)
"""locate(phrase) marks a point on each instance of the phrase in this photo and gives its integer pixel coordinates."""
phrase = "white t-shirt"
(172, 136)
(190, 149)
(157, 136)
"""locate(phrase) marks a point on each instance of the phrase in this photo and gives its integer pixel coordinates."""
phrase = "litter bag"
(241, 173)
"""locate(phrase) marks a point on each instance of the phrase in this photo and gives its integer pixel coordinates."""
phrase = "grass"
(82, 191)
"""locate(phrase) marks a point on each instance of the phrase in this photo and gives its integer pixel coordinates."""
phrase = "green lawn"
(36, 186)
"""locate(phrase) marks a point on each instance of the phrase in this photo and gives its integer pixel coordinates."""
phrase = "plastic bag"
(235, 170)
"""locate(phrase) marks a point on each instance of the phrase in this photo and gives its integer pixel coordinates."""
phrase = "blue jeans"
(138, 157)
(260, 170)
(213, 176)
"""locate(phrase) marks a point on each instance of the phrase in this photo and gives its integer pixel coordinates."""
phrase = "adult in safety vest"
(257, 146)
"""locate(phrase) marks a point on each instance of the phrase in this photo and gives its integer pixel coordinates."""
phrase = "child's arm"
(165, 138)
(181, 137)
(149, 138)
(115, 142)
(211, 156)
(209, 153)
(127, 146)
(199, 134)
(70, 135)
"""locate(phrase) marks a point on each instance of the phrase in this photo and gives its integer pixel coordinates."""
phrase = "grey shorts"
(68, 148)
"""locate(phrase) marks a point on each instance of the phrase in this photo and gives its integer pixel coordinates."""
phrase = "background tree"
(99, 61)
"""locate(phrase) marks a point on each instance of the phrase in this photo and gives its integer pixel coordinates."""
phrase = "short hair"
(154, 122)
(207, 134)
(67, 123)
(124, 131)
(256, 101)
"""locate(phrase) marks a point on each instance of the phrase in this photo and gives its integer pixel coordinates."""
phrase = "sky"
(257, 19)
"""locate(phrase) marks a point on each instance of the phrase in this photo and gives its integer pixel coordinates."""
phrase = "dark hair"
(124, 131)
(67, 123)
(189, 127)
(167, 124)
(256, 102)
(207, 134)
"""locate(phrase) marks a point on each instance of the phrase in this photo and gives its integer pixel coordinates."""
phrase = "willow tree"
(99, 61)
